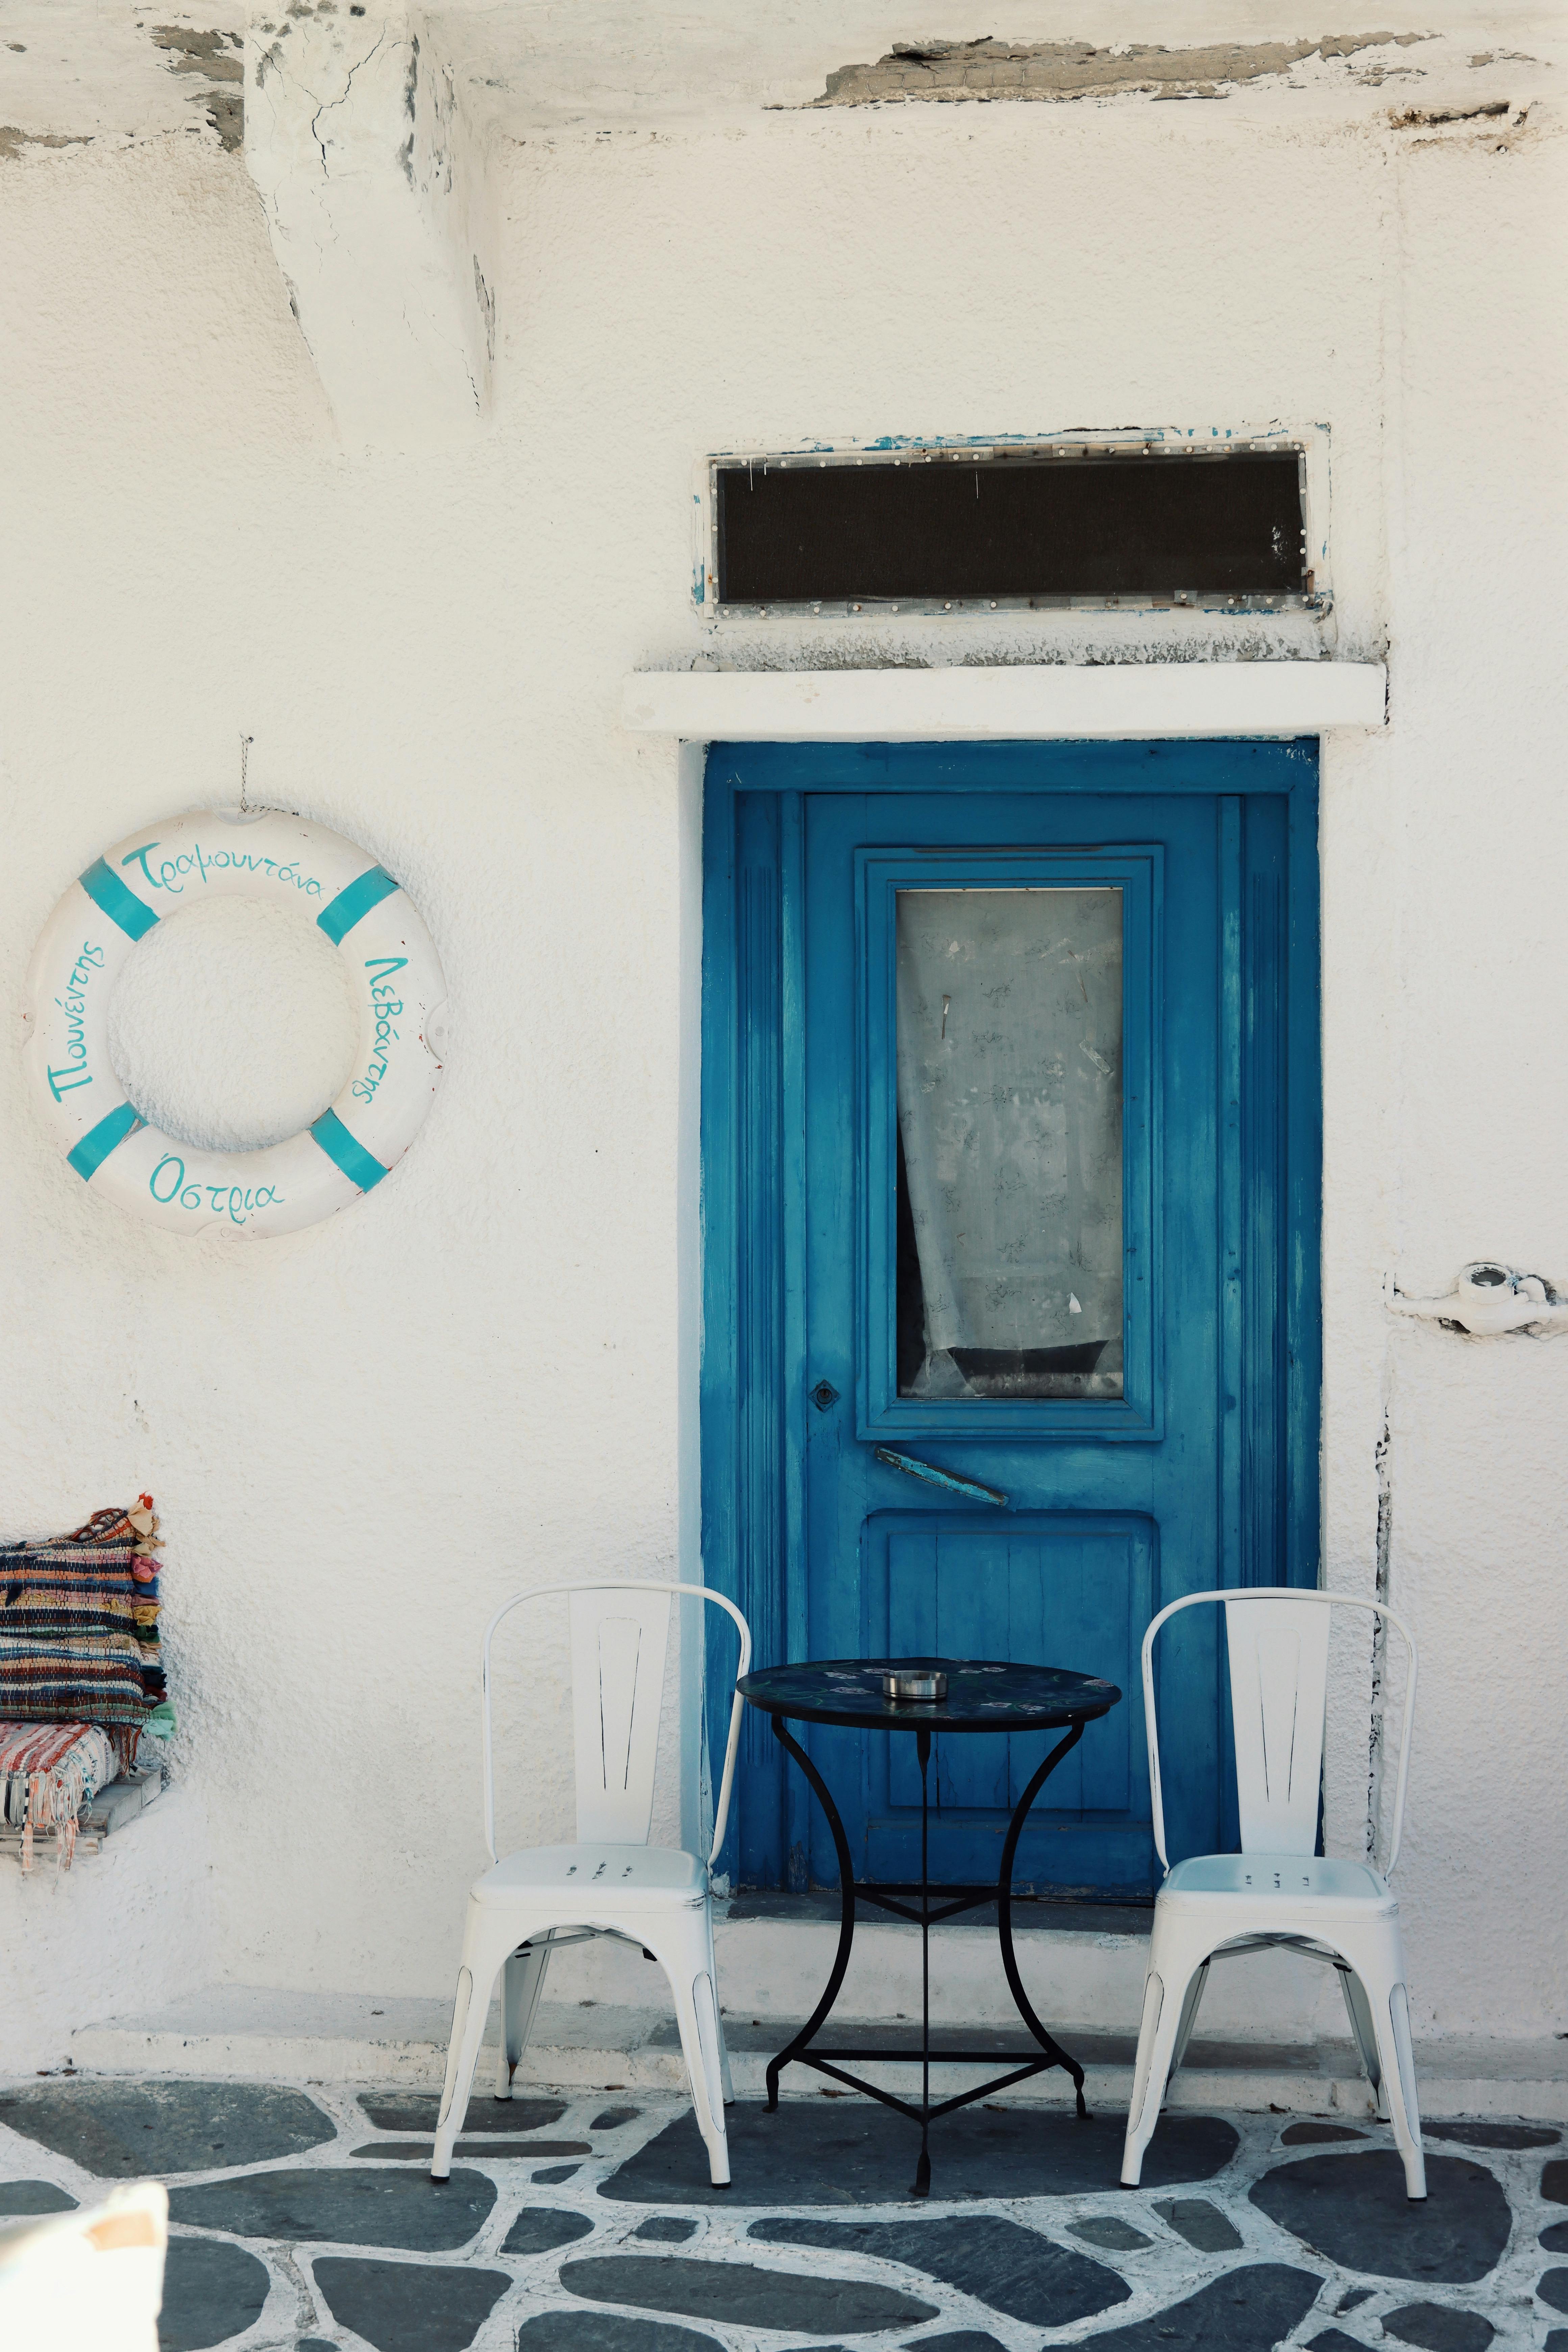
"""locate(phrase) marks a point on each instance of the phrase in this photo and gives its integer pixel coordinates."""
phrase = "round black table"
(982, 1695)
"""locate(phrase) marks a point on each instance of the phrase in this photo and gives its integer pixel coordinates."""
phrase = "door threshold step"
(776, 1953)
(1032, 1914)
(259, 2033)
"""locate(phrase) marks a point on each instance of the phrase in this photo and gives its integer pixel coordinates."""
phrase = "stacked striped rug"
(80, 1668)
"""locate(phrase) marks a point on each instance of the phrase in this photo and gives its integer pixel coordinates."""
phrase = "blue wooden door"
(1010, 1134)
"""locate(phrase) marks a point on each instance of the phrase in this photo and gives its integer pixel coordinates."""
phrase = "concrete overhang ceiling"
(372, 132)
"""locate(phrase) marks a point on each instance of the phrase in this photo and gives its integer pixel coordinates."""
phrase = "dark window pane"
(974, 529)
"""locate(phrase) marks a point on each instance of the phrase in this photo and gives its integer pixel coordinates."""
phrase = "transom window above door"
(1008, 1136)
(1214, 520)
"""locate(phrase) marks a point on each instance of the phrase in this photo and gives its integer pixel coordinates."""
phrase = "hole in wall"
(233, 1024)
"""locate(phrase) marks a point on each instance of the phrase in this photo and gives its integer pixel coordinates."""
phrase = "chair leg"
(1403, 2111)
(726, 2079)
(1133, 2146)
(485, 1944)
(1163, 2006)
(699, 2019)
(1377, 1955)
(1175, 1958)
(1189, 2017)
(683, 1956)
(522, 1982)
(1363, 2030)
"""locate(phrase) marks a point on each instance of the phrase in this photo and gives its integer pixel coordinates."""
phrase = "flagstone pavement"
(304, 2217)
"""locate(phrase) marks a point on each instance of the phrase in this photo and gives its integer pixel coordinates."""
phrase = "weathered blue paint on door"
(1203, 1473)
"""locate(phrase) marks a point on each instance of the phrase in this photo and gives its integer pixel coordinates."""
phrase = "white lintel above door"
(1008, 704)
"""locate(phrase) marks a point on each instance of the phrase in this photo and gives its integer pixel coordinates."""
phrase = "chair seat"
(622, 1877)
(1295, 1882)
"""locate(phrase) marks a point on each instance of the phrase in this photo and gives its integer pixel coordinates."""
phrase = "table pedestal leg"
(846, 1922)
(923, 2169)
(952, 1901)
(1004, 1918)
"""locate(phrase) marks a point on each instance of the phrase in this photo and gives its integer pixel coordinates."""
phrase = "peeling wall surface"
(658, 241)
(988, 68)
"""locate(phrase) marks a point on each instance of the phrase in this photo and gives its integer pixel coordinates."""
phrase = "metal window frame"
(1191, 443)
(1136, 869)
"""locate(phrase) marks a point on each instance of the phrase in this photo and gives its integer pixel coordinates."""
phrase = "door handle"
(913, 1468)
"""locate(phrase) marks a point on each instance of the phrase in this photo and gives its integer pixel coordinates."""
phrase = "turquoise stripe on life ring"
(340, 915)
(108, 893)
(99, 1141)
(360, 1166)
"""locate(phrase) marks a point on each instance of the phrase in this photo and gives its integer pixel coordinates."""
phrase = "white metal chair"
(1278, 1890)
(612, 1882)
(91, 2281)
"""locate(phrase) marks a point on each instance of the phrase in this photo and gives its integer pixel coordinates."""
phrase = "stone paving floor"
(304, 2219)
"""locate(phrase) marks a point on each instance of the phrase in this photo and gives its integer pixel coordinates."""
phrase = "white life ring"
(398, 984)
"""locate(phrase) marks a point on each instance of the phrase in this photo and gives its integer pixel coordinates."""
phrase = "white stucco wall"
(361, 1437)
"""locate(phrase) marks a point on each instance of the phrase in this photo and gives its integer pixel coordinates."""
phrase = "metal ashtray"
(931, 1687)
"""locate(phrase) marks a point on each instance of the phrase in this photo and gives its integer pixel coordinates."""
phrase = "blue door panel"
(1048, 1585)
(1202, 1474)
(1160, 1462)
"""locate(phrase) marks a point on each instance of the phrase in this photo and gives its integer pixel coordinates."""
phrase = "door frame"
(753, 1381)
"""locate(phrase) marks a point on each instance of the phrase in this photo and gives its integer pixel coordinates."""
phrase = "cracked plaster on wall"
(215, 56)
(987, 68)
(78, 69)
(601, 64)
(14, 142)
(114, 78)
(374, 200)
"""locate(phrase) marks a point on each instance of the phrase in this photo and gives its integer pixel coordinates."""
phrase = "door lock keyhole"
(824, 1396)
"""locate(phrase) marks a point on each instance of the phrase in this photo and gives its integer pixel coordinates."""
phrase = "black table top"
(982, 1694)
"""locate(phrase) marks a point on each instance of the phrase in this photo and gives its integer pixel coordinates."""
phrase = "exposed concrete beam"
(77, 71)
(532, 66)
(374, 197)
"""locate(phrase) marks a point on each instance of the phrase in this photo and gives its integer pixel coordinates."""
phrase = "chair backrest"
(619, 1642)
(620, 1635)
(1276, 1638)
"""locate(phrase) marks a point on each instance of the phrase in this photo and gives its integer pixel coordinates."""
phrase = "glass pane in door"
(1009, 1186)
